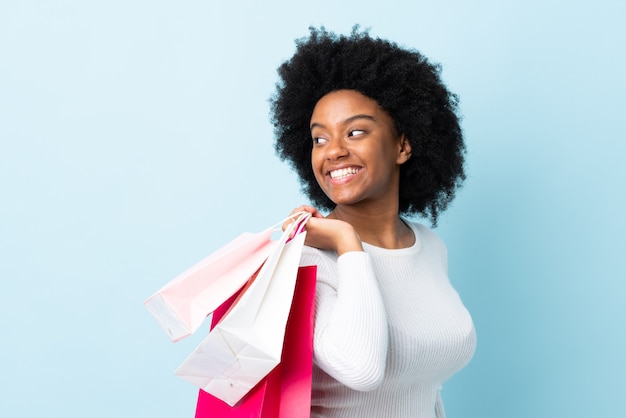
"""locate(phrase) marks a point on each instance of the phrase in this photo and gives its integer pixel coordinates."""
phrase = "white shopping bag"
(247, 343)
(182, 305)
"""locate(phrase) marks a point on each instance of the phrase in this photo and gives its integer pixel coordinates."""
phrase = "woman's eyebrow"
(350, 119)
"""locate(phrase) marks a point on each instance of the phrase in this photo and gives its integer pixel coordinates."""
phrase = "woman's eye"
(319, 140)
(356, 132)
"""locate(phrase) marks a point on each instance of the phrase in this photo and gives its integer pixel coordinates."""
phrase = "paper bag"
(286, 391)
(181, 305)
(247, 343)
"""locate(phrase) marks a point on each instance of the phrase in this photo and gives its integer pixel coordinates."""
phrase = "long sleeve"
(351, 336)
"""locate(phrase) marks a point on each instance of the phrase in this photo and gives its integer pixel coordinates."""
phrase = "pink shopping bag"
(182, 305)
(286, 391)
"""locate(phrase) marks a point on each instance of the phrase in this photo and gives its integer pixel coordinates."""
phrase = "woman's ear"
(405, 149)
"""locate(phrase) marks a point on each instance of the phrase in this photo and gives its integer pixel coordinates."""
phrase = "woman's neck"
(382, 228)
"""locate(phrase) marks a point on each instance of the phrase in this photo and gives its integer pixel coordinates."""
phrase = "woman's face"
(357, 153)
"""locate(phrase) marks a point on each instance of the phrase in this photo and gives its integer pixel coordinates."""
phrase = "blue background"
(135, 140)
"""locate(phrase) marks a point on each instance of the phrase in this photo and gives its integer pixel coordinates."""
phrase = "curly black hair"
(403, 82)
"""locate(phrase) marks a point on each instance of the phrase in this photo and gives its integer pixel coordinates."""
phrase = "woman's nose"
(336, 149)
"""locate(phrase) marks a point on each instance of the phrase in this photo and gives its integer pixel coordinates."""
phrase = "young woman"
(374, 136)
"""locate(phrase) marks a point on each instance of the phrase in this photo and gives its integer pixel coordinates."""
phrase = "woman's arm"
(351, 337)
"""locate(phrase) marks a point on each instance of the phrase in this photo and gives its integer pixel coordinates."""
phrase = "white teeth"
(344, 172)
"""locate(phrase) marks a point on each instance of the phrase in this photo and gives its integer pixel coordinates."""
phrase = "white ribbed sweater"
(389, 330)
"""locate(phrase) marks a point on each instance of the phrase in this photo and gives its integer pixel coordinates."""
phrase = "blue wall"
(135, 140)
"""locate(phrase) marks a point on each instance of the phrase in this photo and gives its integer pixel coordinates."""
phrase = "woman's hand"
(328, 234)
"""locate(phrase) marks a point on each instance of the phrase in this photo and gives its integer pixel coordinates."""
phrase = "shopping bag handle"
(296, 227)
(301, 222)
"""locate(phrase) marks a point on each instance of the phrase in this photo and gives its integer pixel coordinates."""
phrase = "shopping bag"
(182, 305)
(247, 343)
(286, 391)
(296, 364)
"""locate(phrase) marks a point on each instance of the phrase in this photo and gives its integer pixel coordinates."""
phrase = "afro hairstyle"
(403, 82)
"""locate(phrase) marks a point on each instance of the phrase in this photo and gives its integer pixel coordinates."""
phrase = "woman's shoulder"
(427, 237)
(422, 230)
(316, 252)
(315, 256)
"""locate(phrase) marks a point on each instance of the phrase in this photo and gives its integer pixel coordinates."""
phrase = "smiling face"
(357, 153)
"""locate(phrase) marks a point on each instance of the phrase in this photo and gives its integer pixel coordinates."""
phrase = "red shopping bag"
(286, 391)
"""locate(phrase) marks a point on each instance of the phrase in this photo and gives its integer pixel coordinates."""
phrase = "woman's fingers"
(288, 222)
(304, 208)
